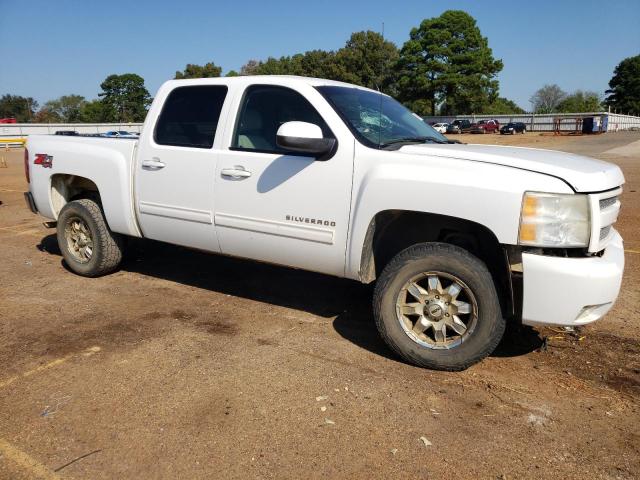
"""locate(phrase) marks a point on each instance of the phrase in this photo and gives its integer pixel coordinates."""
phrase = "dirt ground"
(186, 365)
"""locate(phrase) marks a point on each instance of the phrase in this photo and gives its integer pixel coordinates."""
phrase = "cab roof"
(265, 79)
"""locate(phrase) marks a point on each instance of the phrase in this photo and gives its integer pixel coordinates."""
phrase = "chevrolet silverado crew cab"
(338, 179)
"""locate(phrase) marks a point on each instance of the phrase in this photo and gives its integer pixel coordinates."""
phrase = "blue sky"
(52, 48)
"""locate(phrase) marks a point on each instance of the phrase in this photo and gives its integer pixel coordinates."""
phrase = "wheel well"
(65, 188)
(392, 231)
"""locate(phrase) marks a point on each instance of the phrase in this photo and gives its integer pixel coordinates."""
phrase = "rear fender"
(108, 168)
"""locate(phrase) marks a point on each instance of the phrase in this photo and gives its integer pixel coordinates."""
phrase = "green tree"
(231, 73)
(448, 62)
(624, 87)
(314, 63)
(270, 66)
(46, 115)
(581, 101)
(421, 106)
(502, 106)
(249, 68)
(208, 70)
(23, 109)
(95, 111)
(125, 98)
(67, 108)
(367, 59)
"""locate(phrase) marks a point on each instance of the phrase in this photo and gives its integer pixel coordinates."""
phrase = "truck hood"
(583, 174)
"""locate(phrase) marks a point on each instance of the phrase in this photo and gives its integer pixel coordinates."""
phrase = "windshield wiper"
(411, 140)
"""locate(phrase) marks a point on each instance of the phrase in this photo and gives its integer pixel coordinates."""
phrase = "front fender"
(489, 195)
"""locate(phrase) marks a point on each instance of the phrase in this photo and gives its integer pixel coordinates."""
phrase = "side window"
(264, 108)
(189, 117)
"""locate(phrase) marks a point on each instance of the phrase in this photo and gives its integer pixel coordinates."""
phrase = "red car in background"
(486, 126)
(7, 120)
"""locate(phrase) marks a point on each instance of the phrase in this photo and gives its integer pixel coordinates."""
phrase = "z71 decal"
(43, 159)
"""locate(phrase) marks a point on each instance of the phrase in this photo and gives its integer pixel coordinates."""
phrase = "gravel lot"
(186, 365)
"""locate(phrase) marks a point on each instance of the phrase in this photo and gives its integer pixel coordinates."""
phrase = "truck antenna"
(380, 92)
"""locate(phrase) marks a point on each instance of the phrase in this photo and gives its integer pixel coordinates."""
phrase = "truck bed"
(107, 160)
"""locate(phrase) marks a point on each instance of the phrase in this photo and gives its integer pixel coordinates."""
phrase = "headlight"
(554, 220)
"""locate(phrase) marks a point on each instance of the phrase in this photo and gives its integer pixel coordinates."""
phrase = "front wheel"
(87, 244)
(436, 306)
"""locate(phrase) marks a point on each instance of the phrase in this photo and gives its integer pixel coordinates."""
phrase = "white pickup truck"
(343, 180)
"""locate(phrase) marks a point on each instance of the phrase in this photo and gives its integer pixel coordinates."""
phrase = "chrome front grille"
(604, 232)
(604, 208)
(607, 202)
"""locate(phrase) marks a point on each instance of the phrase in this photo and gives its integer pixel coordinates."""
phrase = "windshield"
(378, 120)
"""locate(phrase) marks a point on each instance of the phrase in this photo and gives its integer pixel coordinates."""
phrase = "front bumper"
(571, 291)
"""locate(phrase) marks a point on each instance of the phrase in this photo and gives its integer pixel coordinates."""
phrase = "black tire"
(107, 246)
(451, 260)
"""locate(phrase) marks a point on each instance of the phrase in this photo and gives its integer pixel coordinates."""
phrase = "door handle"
(153, 164)
(237, 172)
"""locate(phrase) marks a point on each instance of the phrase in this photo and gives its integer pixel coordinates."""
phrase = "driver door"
(276, 206)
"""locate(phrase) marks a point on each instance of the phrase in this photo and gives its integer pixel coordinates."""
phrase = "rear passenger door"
(175, 168)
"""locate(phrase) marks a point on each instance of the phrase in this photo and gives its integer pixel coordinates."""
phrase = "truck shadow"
(346, 301)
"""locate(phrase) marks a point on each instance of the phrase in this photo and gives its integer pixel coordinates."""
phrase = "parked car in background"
(440, 127)
(485, 126)
(459, 126)
(68, 133)
(8, 120)
(513, 127)
(120, 134)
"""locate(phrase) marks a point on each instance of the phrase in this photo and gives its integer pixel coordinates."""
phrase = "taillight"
(26, 165)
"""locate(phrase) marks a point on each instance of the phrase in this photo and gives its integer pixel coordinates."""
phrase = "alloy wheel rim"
(437, 310)
(79, 239)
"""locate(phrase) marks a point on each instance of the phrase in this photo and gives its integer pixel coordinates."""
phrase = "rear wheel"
(87, 244)
(436, 306)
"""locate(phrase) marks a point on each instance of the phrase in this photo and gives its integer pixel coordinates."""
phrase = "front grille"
(605, 209)
(607, 202)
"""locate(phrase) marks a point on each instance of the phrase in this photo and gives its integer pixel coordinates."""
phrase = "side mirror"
(304, 137)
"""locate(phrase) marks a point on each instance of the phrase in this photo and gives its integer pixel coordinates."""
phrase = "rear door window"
(190, 115)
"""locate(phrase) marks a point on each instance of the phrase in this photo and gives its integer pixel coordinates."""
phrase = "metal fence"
(617, 121)
(602, 121)
(22, 129)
